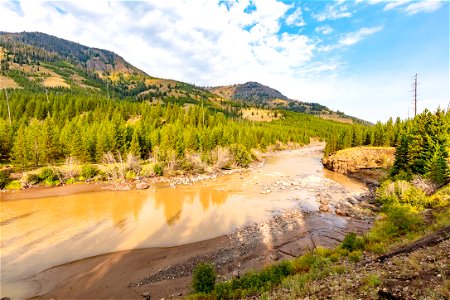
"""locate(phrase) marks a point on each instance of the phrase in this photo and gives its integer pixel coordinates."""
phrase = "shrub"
(355, 256)
(14, 185)
(401, 193)
(158, 169)
(89, 171)
(204, 278)
(353, 242)
(130, 175)
(241, 155)
(307, 262)
(254, 282)
(4, 178)
(49, 182)
(71, 180)
(48, 174)
(404, 220)
(373, 280)
(147, 170)
(32, 179)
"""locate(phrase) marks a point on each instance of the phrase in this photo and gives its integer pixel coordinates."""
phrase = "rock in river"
(142, 186)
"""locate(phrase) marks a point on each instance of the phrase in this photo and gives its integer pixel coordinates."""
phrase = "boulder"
(275, 256)
(341, 212)
(146, 295)
(324, 208)
(142, 186)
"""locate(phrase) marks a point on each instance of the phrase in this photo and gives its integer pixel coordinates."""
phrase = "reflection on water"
(40, 233)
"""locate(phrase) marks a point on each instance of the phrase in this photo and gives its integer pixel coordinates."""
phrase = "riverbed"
(38, 234)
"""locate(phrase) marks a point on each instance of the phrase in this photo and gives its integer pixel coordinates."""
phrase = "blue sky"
(354, 56)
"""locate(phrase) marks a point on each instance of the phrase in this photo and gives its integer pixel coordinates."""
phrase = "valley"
(255, 217)
(119, 184)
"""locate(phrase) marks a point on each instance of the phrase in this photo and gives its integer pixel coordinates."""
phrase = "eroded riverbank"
(272, 212)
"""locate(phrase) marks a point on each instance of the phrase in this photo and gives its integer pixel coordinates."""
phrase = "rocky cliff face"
(365, 163)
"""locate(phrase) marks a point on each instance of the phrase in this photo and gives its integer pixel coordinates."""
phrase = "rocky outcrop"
(364, 163)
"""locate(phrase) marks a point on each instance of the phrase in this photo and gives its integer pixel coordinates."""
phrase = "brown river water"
(37, 234)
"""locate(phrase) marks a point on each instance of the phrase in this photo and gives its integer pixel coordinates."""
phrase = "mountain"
(37, 60)
(254, 93)
(250, 91)
(29, 46)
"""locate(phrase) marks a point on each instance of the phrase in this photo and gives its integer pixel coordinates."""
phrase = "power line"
(415, 95)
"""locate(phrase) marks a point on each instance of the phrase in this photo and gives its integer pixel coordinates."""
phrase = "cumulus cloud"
(296, 18)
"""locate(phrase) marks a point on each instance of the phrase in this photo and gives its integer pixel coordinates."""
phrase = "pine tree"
(135, 148)
(19, 152)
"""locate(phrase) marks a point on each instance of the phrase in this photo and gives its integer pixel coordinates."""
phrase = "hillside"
(41, 61)
(256, 94)
(31, 47)
(38, 61)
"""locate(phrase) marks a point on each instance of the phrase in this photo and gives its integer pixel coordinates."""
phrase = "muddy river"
(37, 234)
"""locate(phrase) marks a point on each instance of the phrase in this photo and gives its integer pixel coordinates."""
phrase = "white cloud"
(333, 12)
(414, 7)
(394, 4)
(354, 37)
(350, 38)
(296, 18)
(200, 42)
(426, 6)
(324, 29)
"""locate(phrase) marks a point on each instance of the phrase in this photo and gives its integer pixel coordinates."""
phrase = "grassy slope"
(350, 271)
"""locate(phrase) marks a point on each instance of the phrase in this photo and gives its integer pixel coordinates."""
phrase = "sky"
(359, 57)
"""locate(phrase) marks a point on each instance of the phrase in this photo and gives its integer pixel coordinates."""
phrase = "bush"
(355, 256)
(254, 282)
(204, 278)
(353, 242)
(147, 170)
(14, 185)
(32, 179)
(4, 179)
(373, 280)
(404, 220)
(130, 175)
(89, 171)
(392, 194)
(48, 174)
(158, 169)
(241, 155)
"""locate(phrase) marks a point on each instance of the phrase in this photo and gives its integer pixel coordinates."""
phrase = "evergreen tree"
(135, 148)
(19, 152)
